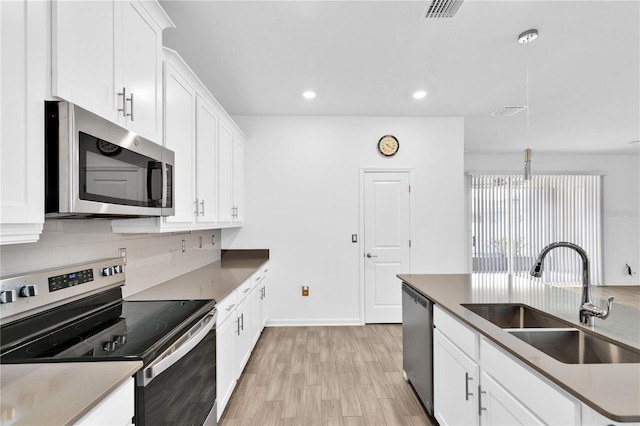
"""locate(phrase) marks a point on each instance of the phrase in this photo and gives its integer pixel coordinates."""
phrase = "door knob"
(369, 255)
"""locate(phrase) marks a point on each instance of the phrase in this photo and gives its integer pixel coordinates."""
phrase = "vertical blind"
(513, 219)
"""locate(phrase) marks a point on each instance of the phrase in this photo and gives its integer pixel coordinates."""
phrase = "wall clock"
(388, 145)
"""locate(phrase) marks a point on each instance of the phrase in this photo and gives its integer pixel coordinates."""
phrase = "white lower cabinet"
(239, 324)
(116, 409)
(476, 383)
(455, 383)
(225, 372)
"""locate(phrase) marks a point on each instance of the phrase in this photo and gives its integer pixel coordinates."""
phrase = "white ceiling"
(366, 58)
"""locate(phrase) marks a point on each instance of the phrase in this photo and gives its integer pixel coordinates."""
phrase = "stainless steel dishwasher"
(417, 344)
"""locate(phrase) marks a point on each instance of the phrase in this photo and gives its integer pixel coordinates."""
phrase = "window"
(512, 220)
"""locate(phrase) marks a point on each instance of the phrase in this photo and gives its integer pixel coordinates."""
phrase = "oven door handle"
(183, 346)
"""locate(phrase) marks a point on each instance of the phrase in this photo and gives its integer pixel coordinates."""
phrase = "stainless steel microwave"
(95, 168)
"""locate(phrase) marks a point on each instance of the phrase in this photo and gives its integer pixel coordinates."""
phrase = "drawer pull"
(230, 307)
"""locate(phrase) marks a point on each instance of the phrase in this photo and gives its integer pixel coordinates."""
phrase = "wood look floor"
(326, 376)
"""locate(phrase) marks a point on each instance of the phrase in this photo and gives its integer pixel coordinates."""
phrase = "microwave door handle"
(155, 177)
(177, 352)
(165, 185)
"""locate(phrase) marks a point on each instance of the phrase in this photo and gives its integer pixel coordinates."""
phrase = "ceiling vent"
(437, 9)
(508, 110)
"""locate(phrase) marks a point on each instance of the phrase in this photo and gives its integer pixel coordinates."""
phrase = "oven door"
(179, 387)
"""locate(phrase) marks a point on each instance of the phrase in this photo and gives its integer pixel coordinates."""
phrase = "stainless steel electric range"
(77, 314)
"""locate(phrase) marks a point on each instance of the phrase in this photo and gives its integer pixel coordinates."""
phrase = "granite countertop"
(611, 389)
(60, 393)
(213, 281)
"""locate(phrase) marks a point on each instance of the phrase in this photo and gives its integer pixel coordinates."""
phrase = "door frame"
(363, 171)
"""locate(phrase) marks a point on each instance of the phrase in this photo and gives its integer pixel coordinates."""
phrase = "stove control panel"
(31, 293)
(69, 280)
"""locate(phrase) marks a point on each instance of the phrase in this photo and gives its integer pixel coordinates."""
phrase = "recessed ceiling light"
(419, 94)
(309, 94)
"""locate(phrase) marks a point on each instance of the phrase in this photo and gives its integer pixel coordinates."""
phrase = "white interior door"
(387, 244)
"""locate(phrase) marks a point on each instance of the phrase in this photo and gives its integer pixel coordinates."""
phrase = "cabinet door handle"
(480, 407)
(124, 102)
(467, 394)
(131, 110)
(242, 318)
(197, 212)
(202, 204)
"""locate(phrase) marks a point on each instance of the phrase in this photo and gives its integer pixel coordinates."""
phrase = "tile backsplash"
(151, 258)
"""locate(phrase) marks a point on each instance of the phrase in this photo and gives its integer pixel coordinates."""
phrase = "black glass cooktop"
(125, 330)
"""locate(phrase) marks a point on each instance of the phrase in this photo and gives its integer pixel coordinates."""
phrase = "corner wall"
(302, 194)
(621, 198)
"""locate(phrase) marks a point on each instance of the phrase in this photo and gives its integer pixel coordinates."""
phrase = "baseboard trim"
(313, 322)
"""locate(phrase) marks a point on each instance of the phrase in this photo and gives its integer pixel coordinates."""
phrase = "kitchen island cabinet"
(517, 383)
(118, 73)
(23, 88)
(475, 383)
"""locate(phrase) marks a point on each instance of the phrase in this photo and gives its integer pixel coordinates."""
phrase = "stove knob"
(29, 290)
(8, 296)
(108, 271)
(121, 339)
(117, 269)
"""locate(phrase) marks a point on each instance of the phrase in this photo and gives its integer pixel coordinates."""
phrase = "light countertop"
(611, 389)
(213, 281)
(60, 393)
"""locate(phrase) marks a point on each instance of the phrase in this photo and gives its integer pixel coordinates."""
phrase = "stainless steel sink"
(509, 315)
(573, 346)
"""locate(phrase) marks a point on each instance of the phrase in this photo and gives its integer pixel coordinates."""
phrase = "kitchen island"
(613, 390)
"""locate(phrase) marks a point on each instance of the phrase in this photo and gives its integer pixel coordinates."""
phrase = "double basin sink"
(555, 337)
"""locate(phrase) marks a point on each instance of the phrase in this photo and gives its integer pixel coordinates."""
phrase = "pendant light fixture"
(526, 38)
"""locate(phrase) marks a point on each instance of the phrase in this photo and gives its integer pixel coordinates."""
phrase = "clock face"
(388, 145)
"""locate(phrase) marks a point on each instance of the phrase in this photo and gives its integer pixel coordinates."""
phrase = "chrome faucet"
(588, 311)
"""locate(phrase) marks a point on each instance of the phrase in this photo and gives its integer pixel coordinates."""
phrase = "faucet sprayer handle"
(596, 311)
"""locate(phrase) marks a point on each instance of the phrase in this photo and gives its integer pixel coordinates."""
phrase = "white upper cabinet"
(24, 71)
(180, 118)
(206, 159)
(231, 174)
(107, 58)
(209, 157)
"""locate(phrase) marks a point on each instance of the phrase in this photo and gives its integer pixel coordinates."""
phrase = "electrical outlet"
(183, 246)
(122, 253)
(354, 238)
(213, 239)
(305, 290)
(200, 242)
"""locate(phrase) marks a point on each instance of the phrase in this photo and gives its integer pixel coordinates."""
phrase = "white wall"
(151, 259)
(302, 194)
(621, 198)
